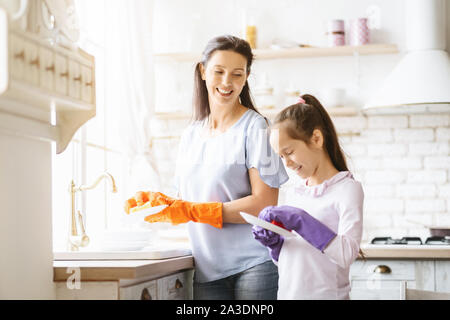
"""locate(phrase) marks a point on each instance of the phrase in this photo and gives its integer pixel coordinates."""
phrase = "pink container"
(336, 33)
(359, 32)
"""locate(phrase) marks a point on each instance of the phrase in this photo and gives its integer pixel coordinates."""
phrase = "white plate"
(139, 216)
(266, 225)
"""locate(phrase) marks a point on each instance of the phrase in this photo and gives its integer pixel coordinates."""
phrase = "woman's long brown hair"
(200, 96)
(304, 118)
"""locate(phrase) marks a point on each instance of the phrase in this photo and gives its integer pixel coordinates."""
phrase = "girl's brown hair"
(200, 96)
(304, 119)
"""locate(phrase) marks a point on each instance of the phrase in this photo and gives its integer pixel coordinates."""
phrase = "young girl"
(316, 264)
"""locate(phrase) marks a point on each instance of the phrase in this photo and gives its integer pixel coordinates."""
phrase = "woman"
(225, 165)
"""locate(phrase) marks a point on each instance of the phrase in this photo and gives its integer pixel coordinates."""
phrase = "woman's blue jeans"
(257, 283)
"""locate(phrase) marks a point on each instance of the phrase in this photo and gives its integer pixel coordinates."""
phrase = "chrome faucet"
(77, 240)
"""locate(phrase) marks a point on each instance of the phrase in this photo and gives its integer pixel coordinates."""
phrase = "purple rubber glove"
(269, 239)
(311, 229)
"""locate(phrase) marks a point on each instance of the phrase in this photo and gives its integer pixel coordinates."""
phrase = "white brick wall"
(403, 162)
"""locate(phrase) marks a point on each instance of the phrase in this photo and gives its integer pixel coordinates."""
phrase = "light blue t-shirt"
(215, 169)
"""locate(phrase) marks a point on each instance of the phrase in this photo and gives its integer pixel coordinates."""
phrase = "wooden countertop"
(115, 270)
(406, 251)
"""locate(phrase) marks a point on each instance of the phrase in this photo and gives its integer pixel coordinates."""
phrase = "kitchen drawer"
(87, 84)
(175, 287)
(32, 63)
(383, 270)
(47, 69)
(74, 80)
(377, 290)
(16, 57)
(143, 291)
(61, 74)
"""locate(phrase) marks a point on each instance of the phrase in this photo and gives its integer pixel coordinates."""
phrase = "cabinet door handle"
(35, 62)
(178, 284)
(145, 295)
(64, 74)
(382, 269)
(88, 84)
(20, 55)
(51, 68)
(77, 78)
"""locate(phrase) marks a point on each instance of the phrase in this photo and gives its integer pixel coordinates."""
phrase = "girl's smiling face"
(302, 158)
(225, 76)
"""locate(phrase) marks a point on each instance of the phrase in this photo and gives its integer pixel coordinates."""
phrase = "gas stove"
(411, 241)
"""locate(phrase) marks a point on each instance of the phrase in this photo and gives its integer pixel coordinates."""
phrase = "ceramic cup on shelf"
(359, 32)
(336, 33)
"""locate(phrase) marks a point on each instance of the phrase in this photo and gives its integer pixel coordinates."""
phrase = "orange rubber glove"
(178, 211)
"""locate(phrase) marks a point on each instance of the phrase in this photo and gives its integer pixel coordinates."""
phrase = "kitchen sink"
(147, 253)
(127, 245)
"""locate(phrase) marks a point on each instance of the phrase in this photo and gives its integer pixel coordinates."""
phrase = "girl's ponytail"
(330, 136)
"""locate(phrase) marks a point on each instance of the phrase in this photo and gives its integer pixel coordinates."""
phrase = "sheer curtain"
(129, 86)
(124, 29)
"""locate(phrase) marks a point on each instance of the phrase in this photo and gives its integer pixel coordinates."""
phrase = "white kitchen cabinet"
(144, 291)
(381, 279)
(442, 276)
(177, 286)
(34, 112)
(43, 79)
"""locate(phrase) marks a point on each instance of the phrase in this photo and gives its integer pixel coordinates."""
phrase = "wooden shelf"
(269, 113)
(265, 54)
(336, 112)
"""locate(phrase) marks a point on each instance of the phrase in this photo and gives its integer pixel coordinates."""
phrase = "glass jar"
(264, 98)
(291, 96)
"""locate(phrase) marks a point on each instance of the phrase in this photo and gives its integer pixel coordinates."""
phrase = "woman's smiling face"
(225, 76)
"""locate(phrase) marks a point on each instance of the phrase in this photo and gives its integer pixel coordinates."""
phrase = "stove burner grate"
(389, 240)
(438, 240)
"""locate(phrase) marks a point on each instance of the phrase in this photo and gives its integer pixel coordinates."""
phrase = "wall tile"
(384, 177)
(429, 121)
(443, 134)
(437, 162)
(387, 122)
(425, 205)
(425, 176)
(429, 148)
(352, 124)
(408, 191)
(387, 149)
(408, 135)
(374, 136)
(383, 205)
(402, 163)
(444, 191)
